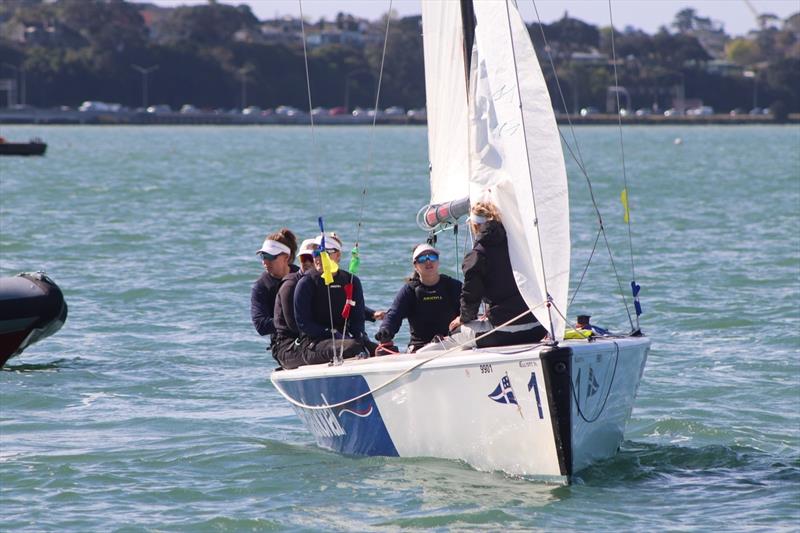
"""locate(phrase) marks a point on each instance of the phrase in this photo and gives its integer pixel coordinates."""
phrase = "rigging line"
(314, 155)
(401, 374)
(560, 93)
(622, 145)
(374, 121)
(369, 157)
(585, 269)
(579, 159)
(530, 171)
(575, 396)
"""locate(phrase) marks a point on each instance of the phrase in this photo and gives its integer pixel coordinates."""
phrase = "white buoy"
(677, 140)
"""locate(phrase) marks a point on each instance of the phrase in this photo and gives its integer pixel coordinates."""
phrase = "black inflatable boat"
(32, 307)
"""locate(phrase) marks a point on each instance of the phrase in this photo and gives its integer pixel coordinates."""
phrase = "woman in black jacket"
(489, 279)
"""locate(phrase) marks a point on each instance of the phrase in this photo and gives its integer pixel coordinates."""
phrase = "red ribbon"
(348, 300)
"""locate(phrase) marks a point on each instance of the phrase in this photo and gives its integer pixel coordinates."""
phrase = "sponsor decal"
(503, 393)
(525, 364)
(322, 423)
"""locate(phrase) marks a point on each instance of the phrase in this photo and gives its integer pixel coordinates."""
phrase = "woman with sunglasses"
(429, 300)
(329, 319)
(277, 257)
(284, 348)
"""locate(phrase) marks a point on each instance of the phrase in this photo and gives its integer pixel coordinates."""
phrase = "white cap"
(477, 219)
(307, 247)
(274, 248)
(331, 241)
(421, 249)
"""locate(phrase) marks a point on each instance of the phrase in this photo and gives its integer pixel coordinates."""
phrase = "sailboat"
(543, 411)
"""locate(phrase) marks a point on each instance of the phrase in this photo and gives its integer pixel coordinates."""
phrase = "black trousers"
(504, 338)
(314, 352)
(286, 350)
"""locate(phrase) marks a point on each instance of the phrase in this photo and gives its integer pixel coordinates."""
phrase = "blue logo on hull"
(356, 428)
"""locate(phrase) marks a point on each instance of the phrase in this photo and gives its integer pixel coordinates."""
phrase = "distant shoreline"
(59, 117)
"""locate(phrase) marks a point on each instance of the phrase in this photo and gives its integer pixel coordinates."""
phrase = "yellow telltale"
(624, 198)
(329, 268)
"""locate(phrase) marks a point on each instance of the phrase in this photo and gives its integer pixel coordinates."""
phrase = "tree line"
(77, 50)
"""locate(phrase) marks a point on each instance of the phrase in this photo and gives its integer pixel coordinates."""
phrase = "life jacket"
(433, 310)
(321, 312)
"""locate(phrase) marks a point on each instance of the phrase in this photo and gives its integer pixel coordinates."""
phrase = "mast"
(468, 29)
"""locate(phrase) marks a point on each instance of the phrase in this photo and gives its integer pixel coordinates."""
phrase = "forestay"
(446, 95)
(516, 156)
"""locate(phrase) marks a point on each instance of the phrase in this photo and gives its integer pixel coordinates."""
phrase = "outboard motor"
(32, 307)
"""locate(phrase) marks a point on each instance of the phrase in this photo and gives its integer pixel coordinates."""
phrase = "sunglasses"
(268, 257)
(318, 252)
(427, 257)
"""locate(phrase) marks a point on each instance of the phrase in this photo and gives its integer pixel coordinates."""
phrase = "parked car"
(359, 112)
(586, 111)
(643, 112)
(159, 109)
(287, 110)
(336, 111)
(251, 110)
(394, 111)
(189, 109)
(92, 105)
(672, 112)
(320, 112)
(700, 111)
(420, 114)
(736, 112)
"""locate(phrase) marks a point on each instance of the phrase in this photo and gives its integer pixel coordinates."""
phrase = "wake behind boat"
(546, 410)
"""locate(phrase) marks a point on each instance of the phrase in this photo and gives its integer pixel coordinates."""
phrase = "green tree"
(742, 51)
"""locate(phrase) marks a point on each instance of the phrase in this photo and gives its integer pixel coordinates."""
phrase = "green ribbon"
(355, 261)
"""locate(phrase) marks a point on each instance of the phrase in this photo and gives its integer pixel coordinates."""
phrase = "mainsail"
(514, 155)
(446, 95)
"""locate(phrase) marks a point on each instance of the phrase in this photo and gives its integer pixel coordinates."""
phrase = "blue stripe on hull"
(355, 429)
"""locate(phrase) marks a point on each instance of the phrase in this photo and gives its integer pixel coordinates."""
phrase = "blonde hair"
(486, 210)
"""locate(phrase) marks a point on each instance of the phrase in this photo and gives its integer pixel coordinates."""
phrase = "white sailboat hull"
(526, 410)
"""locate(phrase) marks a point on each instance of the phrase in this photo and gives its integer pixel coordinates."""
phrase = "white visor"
(274, 248)
(307, 248)
(421, 249)
(331, 242)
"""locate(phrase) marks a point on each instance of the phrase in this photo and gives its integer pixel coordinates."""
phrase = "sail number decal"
(486, 369)
(533, 385)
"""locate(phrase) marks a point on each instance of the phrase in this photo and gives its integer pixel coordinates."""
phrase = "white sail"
(517, 158)
(446, 95)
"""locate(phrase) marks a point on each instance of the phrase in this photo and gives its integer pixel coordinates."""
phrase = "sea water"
(151, 410)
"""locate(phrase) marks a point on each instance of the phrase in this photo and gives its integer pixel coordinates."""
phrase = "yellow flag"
(624, 198)
(329, 268)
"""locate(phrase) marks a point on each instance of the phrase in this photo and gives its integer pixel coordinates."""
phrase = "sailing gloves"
(383, 335)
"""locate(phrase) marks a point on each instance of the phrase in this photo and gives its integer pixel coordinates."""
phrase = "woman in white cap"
(489, 279)
(330, 317)
(277, 256)
(284, 348)
(429, 300)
